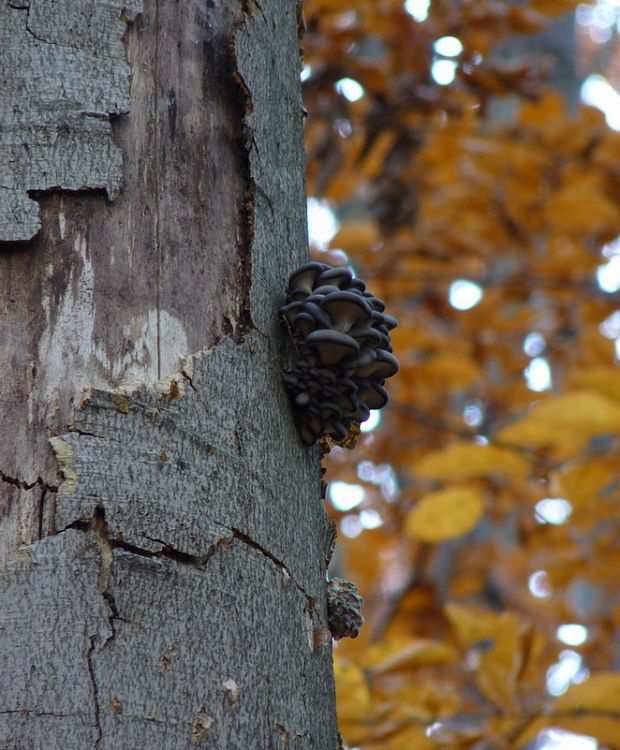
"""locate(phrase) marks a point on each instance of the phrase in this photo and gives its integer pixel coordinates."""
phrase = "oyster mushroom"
(332, 346)
(346, 309)
(384, 366)
(304, 276)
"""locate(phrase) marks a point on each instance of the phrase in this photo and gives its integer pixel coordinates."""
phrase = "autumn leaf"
(600, 692)
(445, 514)
(493, 644)
(407, 654)
(353, 695)
(574, 417)
(468, 460)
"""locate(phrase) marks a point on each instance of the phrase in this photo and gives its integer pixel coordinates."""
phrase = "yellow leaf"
(531, 731)
(395, 656)
(494, 645)
(604, 380)
(421, 700)
(408, 738)
(600, 692)
(445, 514)
(583, 484)
(575, 417)
(352, 694)
(467, 460)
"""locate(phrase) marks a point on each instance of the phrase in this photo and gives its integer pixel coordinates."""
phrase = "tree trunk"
(161, 529)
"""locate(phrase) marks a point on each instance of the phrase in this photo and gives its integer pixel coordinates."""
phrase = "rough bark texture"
(65, 73)
(171, 589)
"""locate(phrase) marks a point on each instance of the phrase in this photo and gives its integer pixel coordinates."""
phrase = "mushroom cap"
(336, 429)
(317, 313)
(365, 357)
(304, 276)
(289, 311)
(366, 336)
(362, 411)
(356, 284)
(375, 396)
(337, 276)
(346, 403)
(384, 366)
(332, 346)
(348, 386)
(345, 309)
(298, 294)
(304, 323)
(376, 303)
(389, 322)
(325, 289)
(377, 318)
(326, 375)
(329, 409)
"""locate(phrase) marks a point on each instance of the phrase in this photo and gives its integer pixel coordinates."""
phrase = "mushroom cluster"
(341, 336)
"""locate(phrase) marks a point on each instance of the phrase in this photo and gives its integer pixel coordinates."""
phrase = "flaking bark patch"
(56, 130)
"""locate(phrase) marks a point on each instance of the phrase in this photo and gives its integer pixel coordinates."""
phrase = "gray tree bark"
(162, 538)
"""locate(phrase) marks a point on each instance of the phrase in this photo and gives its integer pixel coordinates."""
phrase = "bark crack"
(93, 681)
(255, 545)
(241, 100)
(99, 527)
(23, 485)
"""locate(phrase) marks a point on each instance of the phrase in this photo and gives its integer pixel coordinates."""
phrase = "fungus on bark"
(344, 609)
(344, 355)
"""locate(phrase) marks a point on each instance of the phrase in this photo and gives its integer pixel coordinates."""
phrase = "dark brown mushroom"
(304, 323)
(375, 396)
(384, 366)
(356, 285)
(304, 276)
(317, 313)
(325, 289)
(366, 336)
(290, 311)
(332, 346)
(337, 276)
(342, 340)
(346, 309)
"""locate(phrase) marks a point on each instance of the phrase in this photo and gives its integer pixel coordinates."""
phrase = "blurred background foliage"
(454, 164)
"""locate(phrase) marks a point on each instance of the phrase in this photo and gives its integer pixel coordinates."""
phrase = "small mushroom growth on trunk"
(344, 355)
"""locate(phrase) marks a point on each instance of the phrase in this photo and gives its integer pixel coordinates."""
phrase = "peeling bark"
(161, 526)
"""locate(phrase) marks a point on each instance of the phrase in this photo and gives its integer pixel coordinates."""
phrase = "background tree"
(161, 529)
(480, 518)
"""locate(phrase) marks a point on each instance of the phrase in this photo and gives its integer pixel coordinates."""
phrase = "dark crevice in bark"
(77, 431)
(255, 545)
(23, 485)
(167, 552)
(83, 192)
(91, 672)
(241, 101)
